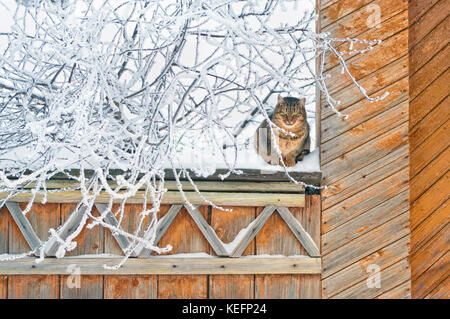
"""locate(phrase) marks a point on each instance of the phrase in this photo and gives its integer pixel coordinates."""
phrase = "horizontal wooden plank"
(426, 23)
(432, 278)
(429, 175)
(429, 201)
(422, 155)
(429, 124)
(436, 92)
(441, 291)
(359, 113)
(365, 222)
(362, 202)
(173, 197)
(246, 175)
(364, 132)
(433, 42)
(166, 265)
(370, 174)
(356, 272)
(387, 29)
(364, 65)
(428, 73)
(433, 250)
(223, 186)
(362, 156)
(402, 291)
(430, 227)
(365, 245)
(375, 84)
(418, 8)
(389, 278)
(362, 19)
(339, 9)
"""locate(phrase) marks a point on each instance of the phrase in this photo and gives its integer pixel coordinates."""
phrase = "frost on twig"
(92, 87)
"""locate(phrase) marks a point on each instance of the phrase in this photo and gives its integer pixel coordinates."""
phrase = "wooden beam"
(299, 232)
(66, 229)
(255, 227)
(166, 265)
(208, 186)
(174, 197)
(163, 225)
(24, 225)
(207, 231)
(123, 242)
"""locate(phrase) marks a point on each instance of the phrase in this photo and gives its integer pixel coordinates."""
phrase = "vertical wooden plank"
(42, 218)
(4, 221)
(89, 241)
(3, 287)
(130, 287)
(227, 225)
(276, 238)
(311, 220)
(137, 287)
(185, 237)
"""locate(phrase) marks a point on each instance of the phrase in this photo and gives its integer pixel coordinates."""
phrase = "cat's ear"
(301, 101)
(280, 98)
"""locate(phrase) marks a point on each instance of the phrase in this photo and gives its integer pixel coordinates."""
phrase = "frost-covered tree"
(133, 85)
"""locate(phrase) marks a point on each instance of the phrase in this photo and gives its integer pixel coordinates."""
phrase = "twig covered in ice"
(103, 85)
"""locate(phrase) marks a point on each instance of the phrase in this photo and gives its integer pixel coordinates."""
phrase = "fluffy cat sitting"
(290, 115)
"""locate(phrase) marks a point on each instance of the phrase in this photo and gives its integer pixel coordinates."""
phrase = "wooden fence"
(290, 233)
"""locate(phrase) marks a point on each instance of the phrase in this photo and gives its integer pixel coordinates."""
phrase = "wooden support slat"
(122, 241)
(257, 224)
(299, 232)
(24, 225)
(163, 225)
(168, 265)
(173, 197)
(66, 229)
(207, 186)
(207, 231)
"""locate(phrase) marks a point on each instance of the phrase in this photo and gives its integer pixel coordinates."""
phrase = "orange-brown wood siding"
(429, 78)
(365, 159)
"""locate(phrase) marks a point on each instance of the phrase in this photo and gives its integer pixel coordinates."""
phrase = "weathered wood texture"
(164, 277)
(365, 159)
(429, 56)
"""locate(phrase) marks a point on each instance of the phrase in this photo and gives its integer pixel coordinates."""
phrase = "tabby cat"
(290, 115)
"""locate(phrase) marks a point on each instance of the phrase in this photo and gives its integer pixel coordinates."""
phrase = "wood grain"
(41, 218)
(227, 225)
(89, 241)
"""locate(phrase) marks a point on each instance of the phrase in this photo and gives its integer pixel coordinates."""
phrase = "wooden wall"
(365, 159)
(429, 78)
(183, 234)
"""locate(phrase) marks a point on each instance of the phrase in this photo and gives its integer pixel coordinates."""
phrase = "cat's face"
(290, 111)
